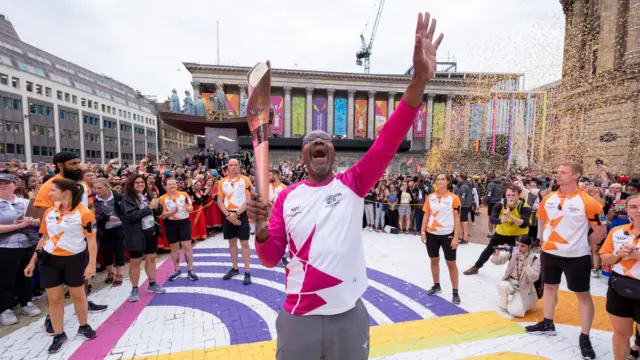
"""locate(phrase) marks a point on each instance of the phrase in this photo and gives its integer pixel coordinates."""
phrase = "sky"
(143, 43)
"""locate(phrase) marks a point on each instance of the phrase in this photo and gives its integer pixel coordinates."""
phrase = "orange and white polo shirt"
(67, 230)
(43, 199)
(618, 236)
(275, 190)
(566, 222)
(235, 191)
(442, 211)
(178, 201)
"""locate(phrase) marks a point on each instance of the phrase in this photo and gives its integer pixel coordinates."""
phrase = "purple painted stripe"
(383, 302)
(217, 251)
(228, 259)
(242, 322)
(436, 304)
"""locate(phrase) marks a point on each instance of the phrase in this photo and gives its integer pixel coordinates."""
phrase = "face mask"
(535, 191)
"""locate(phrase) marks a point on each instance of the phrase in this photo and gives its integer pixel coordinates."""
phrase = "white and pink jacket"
(322, 224)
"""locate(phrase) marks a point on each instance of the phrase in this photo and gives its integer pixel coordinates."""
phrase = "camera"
(507, 248)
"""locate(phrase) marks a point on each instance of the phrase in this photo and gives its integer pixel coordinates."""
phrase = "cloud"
(143, 43)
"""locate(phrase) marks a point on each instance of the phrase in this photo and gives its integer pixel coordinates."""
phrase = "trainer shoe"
(135, 295)
(8, 318)
(456, 298)
(31, 310)
(155, 288)
(471, 271)
(542, 328)
(434, 290)
(595, 273)
(174, 275)
(230, 274)
(58, 341)
(95, 308)
(86, 331)
(247, 279)
(585, 347)
(117, 281)
(48, 326)
(109, 278)
(192, 275)
(285, 262)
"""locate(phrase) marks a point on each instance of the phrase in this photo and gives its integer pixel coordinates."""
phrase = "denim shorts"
(404, 210)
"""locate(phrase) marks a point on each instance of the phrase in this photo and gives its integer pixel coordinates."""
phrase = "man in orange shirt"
(69, 166)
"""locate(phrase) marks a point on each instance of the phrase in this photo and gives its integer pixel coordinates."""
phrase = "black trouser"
(112, 245)
(472, 213)
(393, 217)
(496, 240)
(418, 215)
(12, 264)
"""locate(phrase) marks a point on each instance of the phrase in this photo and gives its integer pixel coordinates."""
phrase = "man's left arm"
(597, 219)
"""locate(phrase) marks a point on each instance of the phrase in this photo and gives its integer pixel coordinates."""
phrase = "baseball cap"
(7, 177)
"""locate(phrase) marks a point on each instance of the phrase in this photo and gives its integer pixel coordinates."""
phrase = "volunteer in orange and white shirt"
(233, 192)
(65, 257)
(566, 216)
(442, 211)
(276, 186)
(622, 250)
(176, 206)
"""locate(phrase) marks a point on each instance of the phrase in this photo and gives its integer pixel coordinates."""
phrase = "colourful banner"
(419, 124)
(381, 116)
(494, 123)
(320, 114)
(360, 119)
(340, 117)
(277, 124)
(233, 102)
(297, 116)
(457, 120)
(477, 111)
(208, 100)
(438, 120)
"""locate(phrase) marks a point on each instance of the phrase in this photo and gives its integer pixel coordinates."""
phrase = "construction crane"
(364, 55)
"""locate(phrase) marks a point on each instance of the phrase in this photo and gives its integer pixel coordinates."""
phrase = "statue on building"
(220, 99)
(419, 127)
(243, 104)
(174, 104)
(201, 110)
(188, 108)
(360, 123)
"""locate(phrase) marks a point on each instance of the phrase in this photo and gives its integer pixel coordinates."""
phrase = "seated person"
(519, 279)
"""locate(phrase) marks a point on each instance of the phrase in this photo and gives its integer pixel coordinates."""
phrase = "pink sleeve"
(365, 173)
(271, 251)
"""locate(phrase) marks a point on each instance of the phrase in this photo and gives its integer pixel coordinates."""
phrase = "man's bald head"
(233, 167)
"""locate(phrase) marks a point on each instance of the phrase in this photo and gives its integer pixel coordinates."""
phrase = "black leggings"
(12, 264)
(112, 245)
(393, 217)
(472, 213)
(496, 240)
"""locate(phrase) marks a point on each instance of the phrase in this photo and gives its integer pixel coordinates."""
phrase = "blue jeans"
(380, 214)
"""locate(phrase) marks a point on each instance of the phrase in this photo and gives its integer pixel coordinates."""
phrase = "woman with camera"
(67, 256)
(621, 249)
(519, 278)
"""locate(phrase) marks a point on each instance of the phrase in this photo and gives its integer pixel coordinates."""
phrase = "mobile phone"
(20, 217)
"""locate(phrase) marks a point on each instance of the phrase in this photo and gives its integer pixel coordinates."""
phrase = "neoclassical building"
(473, 111)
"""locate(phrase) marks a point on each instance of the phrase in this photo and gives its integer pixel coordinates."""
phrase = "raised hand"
(424, 51)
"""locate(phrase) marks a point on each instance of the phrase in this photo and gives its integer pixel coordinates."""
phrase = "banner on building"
(277, 123)
(297, 116)
(420, 123)
(320, 114)
(381, 116)
(233, 102)
(477, 111)
(340, 117)
(208, 100)
(438, 120)
(360, 119)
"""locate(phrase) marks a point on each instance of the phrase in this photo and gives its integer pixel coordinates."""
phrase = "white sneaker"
(595, 273)
(31, 310)
(8, 318)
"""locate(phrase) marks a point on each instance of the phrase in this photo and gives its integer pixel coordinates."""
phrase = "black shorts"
(490, 208)
(150, 244)
(230, 231)
(576, 270)
(435, 242)
(464, 213)
(177, 230)
(68, 270)
(621, 306)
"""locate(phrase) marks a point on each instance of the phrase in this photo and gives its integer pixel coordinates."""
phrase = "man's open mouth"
(318, 153)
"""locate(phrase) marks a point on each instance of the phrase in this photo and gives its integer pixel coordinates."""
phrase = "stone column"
(102, 157)
(371, 114)
(309, 113)
(350, 113)
(197, 91)
(391, 103)
(330, 110)
(447, 119)
(466, 123)
(429, 120)
(632, 56)
(243, 90)
(287, 111)
(56, 127)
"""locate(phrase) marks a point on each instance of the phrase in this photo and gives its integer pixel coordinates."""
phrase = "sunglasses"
(313, 136)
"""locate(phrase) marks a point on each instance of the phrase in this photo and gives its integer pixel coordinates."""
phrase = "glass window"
(29, 86)
(8, 126)
(90, 103)
(83, 102)
(35, 150)
(1, 148)
(17, 104)
(95, 105)
(41, 110)
(104, 107)
(61, 116)
(17, 127)
(50, 132)
(7, 103)
(19, 149)
(67, 97)
(4, 79)
(11, 149)
(74, 99)
(76, 135)
(59, 94)
(42, 130)
(32, 108)
(49, 111)
(15, 82)
(34, 130)
(87, 153)
(85, 119)
(47, 91)
(38, 89)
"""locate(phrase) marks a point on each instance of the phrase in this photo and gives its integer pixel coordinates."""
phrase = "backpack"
(538, 283)
(496, 193)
